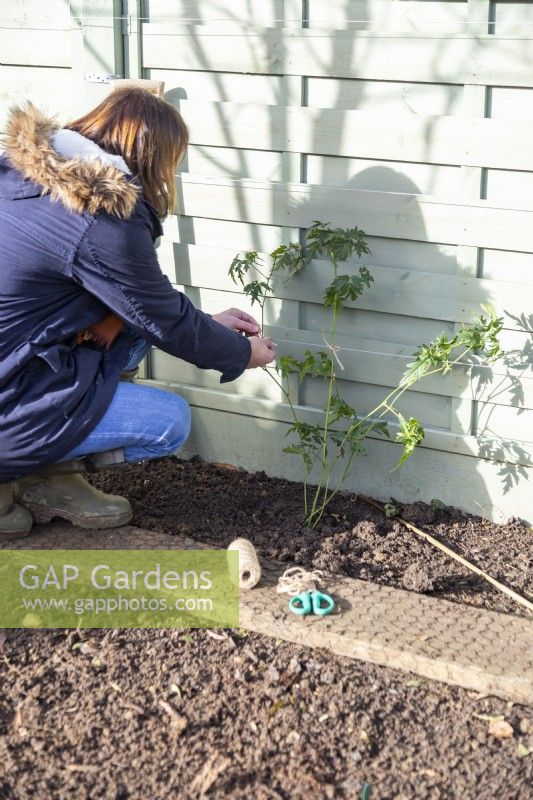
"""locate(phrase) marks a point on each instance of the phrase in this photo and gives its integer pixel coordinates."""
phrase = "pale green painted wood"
(198, 85)
(384, 363)
(393, 137)
(257, 164)
(502, 421)
(420, 256)
(512, 16)
(346, 54)
(508, 267)
(509, 103)
(370, 137)
(396, 291)
(35, 14)
(225, 233)
(514, 452)
(255, 12)
(395, 215)
(432, 410)
(407, 15)
(230, 433)
(408, 98)
(133, 11)
(390, 15)
(49, 87)
(38, 47)
(97, 47)
(506, 185)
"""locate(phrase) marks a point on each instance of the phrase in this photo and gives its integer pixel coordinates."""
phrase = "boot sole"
(42, 516)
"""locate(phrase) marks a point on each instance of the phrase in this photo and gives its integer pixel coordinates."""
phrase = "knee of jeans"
(177, 427)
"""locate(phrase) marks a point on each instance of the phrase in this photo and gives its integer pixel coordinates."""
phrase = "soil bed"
(168, 715)
(218, 503)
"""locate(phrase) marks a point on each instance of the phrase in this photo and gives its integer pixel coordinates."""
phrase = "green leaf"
(288, 257)
(356, 436)
(522, 751)
(240, 266)
(346, 287)
(411, 434)
(257, 291)
(391, 510)
(338, 244)
(300, 450)
(436, 504)
(382, 427)
(315, 364)
(339, 409)
(287, 365)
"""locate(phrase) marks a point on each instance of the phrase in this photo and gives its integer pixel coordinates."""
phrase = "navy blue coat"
(66, 259)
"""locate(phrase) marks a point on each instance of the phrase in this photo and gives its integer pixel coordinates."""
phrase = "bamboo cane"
(436, 543)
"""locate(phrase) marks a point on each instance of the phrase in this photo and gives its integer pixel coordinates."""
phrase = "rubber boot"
(70, 497)
(14, 520)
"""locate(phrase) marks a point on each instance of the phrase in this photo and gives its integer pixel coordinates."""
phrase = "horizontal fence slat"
(493, 489)
(460, 59)
(35, 47)
(430, 295)
(383, 364)
(387, 14)
(509, 451)
(431, 410)
(384, 214)
(49, 88)
(402, 137)
(34, 14)
(409, 15)
(256, 12)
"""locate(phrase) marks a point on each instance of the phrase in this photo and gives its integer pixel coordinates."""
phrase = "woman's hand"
(263, 352)
(238, 321)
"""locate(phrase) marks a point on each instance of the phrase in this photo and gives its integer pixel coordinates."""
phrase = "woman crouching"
(82, 300)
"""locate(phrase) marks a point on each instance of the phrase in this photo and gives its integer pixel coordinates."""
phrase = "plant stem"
(386, 404)
(383, 407)
(325, 472)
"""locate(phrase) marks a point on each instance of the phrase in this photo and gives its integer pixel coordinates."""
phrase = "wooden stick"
(435, 542)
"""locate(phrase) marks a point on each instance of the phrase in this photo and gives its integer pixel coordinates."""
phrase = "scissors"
(311, 602)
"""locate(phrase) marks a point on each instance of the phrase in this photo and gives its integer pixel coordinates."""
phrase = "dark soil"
(218, 503)
(145, 714)
(172, 715)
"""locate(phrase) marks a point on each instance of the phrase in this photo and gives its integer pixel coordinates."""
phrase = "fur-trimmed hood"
(81, 183)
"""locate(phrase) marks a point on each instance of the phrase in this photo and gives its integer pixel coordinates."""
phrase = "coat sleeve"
(117, 262)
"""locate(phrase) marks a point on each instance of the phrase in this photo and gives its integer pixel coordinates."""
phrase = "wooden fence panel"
(413, 120)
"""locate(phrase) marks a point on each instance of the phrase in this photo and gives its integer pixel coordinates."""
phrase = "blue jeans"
(144, 421)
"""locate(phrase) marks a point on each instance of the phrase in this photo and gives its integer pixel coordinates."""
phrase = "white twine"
(296, 579)
(334, 348)
(249, 567)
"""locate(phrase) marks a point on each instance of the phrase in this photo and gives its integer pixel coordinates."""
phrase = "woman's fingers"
(244, 322)
(238, 321)
(263, 352)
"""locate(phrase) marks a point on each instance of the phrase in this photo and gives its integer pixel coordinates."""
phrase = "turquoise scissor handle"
(316, 603)
(301, 604)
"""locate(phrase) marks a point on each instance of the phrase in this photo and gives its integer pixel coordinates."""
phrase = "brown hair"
(147, 132)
